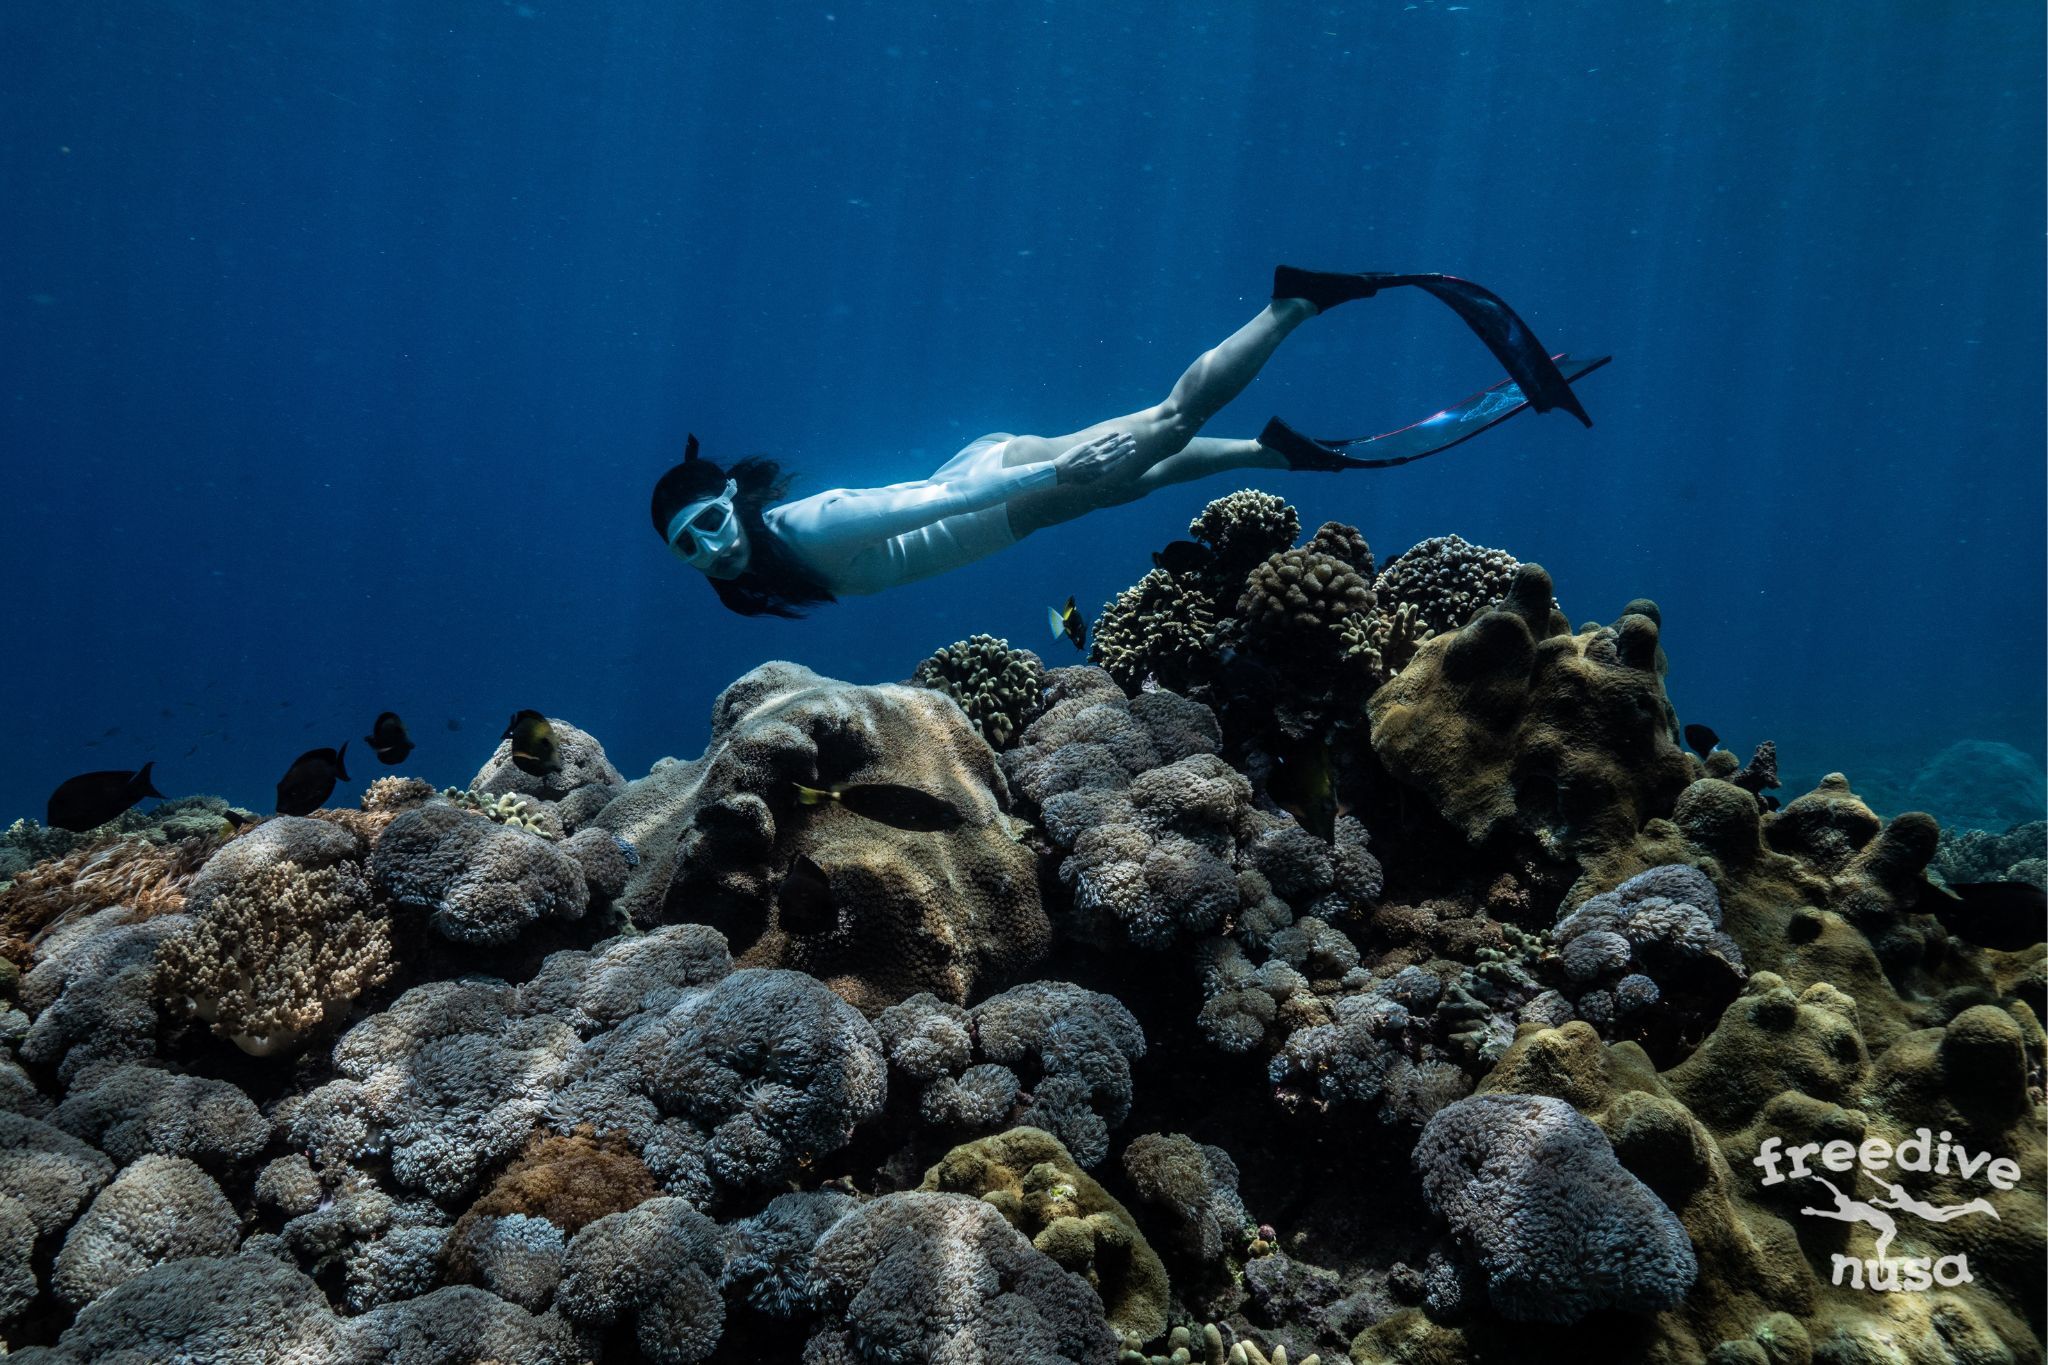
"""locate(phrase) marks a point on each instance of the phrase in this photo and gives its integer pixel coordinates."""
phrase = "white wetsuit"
(867, 540)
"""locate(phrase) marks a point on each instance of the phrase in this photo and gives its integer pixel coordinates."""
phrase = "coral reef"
(1001, 689)
(1134, 1050)
(1980, 784)
(903, 911)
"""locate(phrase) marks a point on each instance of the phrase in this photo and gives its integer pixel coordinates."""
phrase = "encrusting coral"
(1028, 1177)
(283, 935)
(1001, 689)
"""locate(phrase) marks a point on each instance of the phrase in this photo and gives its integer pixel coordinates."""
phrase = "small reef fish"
(89, 800)
(887, 803)
(1184, 558)
(1304, 784)
(804, 904)
(308, 783)
(1700, 739)
(454, 724)
(534, 751)
(388, 739)
(1067, 623)
(2007, 916)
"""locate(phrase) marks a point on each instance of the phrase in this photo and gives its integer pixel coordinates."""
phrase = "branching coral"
(131, 1110)
(1243, 528)
(514, 808)
(284, 936)
(142, 876)
(1001, 689)
(1445, 581)
(1159, 629)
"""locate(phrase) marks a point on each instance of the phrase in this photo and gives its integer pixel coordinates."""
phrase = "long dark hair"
(775, 584)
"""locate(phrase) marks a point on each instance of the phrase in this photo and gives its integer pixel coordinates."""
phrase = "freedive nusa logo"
(1922, 1153)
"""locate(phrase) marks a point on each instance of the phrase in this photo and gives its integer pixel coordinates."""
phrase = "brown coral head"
(571, 1181)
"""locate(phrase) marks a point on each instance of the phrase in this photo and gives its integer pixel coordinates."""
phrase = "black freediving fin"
(1457, 423)
(1485, 312)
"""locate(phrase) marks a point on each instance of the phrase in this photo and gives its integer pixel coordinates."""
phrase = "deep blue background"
(341, 344)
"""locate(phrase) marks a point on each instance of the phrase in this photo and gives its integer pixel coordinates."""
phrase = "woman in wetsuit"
(769, 557)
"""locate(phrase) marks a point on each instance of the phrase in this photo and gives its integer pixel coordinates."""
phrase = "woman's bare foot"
(1105, 456)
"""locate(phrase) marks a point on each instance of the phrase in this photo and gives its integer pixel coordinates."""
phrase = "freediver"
(767, 557)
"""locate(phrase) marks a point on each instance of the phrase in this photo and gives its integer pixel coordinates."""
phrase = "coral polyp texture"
(1349, 965)
(884, 912)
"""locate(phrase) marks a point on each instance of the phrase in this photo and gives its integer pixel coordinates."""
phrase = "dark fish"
(804, 904)
(308, 783)
(110, 732)
(89, 800)
(237, 818)
(2003, 915)
(534, 751)
(1770, 802)
(1067, 623)
(388, 739)
(1304, 784)
(191, 751)
(1700, 739)
(1184, 558)
(889, 804)
(454, 724)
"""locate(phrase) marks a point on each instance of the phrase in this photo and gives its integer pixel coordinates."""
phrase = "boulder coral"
(1516, 729)
(898, 911)
(583, 765)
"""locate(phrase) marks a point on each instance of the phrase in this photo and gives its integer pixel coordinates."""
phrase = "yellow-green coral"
(516, 809)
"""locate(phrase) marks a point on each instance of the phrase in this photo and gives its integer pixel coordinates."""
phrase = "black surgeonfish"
(887, 803)
(308, 783)
(2004, 915)
(1067, 623)
(89, 800)
(1700, 739)
(804, 904)
(1183, 558)
(1304, 784)
(534, 751)
(388, 739)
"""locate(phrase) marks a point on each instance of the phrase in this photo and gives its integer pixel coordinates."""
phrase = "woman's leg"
(1166, 429)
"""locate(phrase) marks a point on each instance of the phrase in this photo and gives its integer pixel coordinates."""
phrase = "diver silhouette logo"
(1920, 1153)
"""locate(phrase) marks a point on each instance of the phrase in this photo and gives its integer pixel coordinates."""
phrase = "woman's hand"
(1092, 460)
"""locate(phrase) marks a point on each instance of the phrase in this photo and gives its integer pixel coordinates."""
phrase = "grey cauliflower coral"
(131, 1110)
(161, 1208)
(1302, 599)
(746, 1079)
(653, 1268)
(923, 1276)
(284, 935)
(1001, 689)
(1535, 1196)
(479, 882)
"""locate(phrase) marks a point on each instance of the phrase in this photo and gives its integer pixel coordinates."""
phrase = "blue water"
(342, 343)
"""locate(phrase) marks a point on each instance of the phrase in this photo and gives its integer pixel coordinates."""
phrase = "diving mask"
(703, 531)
